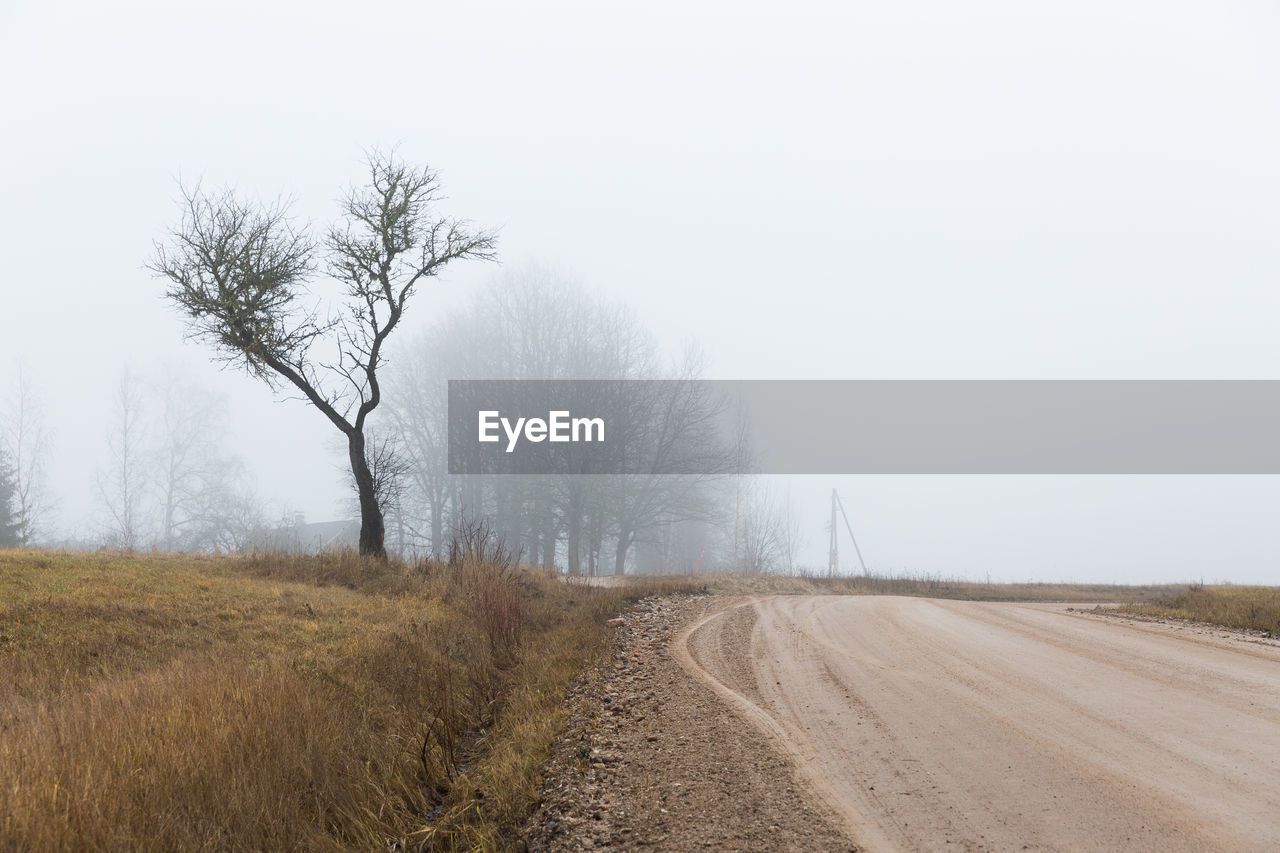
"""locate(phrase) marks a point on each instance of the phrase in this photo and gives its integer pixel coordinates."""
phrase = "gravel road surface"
(947, 725)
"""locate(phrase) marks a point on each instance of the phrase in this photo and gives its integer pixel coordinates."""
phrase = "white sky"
(818, 190)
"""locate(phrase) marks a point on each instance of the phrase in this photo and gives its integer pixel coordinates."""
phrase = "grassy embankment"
(1254, 607)
(935, 587)
(267, 703)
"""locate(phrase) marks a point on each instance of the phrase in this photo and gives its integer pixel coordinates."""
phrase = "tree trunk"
(168, 517)
(550, 535)
(596, 529)
(574, 548)
(400, 549)
(372, 531)
(437, 526)
(620, 553)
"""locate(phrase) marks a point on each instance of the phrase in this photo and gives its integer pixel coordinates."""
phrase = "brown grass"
(925, 586)
(279, 703)
(270, 702)
(1253, 607)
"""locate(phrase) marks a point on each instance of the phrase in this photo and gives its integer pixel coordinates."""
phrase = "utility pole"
(833, 564)
(837, 504)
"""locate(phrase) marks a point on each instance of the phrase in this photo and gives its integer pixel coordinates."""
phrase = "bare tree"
(122, 486)
(183, 459)
(24, 437)
(791, 537)
(233, 521)
(767, 534)
(204, 502)
(240, 273)
(676, 427)
(389, 466)
(418, 414)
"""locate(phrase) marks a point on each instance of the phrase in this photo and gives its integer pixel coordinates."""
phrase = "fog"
(821, 190)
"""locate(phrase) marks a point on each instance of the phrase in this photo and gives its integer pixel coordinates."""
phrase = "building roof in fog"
(313, 538)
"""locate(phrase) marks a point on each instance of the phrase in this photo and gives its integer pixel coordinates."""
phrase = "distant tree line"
(532, 324)
(245, 275)
(168, 480)
(165, 481)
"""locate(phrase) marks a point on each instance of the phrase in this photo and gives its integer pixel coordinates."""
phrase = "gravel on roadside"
(652, 760)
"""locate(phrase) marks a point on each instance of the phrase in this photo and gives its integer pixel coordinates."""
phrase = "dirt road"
(946, 725)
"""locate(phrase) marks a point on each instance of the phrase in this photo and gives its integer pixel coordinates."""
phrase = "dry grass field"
(1253, 607)
(158, 702)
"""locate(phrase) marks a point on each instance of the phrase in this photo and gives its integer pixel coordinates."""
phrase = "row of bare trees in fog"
(164, 480)
(167, 479)
(532, 324)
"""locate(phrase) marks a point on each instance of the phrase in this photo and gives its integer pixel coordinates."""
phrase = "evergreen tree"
(9, 523)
